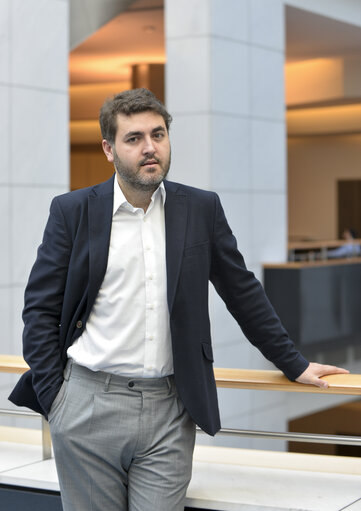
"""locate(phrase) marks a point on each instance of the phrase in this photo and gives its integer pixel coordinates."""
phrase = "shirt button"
(131, 384)
(151, 338)
(79, 324)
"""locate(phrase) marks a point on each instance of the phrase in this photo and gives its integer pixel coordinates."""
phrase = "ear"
(108, 150)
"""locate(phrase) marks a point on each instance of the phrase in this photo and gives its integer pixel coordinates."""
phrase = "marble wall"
(34, 147)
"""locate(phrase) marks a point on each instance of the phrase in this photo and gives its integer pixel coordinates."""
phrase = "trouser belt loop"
(107, 382)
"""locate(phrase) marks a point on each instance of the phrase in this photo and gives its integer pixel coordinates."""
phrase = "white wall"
(34, 148)
(315, 164)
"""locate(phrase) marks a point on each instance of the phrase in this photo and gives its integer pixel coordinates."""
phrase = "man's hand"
(314, 372)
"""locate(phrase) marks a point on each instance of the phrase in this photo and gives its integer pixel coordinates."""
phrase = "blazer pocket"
(197, 249)
(207, 351)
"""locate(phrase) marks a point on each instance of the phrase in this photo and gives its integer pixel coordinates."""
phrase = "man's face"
(141, 150)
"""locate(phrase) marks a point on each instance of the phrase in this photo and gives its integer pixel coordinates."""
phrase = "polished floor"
(223, 479)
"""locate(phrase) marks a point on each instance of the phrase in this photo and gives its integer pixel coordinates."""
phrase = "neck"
(135, 197)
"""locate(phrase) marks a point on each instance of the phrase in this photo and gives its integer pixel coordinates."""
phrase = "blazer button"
(79, 324)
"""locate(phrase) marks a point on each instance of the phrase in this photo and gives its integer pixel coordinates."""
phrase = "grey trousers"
(120, 443)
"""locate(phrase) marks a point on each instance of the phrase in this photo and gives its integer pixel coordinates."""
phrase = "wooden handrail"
(13, 364)
(349, 384)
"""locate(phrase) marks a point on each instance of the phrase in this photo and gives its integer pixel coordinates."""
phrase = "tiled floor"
(228, 479)
(355, 506)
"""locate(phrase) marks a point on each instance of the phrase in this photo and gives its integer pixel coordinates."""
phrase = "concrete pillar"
(225, 90)
(34, 149)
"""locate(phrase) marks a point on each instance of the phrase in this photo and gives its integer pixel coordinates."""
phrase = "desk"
(318, 302)
(309, 249)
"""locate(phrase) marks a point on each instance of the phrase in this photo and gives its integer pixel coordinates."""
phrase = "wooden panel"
(342, 420)
(349, 205)
(89, 166)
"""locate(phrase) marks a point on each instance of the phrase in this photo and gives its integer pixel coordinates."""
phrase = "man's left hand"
(312, 375)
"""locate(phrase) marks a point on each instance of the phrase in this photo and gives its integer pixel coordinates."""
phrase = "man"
(117, 333)
(350, 249)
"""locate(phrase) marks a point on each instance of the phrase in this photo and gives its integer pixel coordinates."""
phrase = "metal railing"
(347, 384)
(45, 430)
(292, 437)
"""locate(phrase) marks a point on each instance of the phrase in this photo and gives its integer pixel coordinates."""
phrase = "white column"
(34, 147)
(225, 90)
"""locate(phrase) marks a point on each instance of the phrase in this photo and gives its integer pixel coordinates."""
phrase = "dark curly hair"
(129, 102)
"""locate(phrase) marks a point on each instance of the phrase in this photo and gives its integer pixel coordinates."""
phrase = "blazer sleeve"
(43, 305)
(247, 302)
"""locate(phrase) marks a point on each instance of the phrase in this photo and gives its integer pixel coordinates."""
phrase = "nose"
(148, 147)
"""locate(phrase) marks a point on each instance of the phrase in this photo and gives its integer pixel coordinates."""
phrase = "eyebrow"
(158, 128)
(131, 134)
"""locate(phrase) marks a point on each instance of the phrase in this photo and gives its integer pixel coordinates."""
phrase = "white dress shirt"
(127, 332)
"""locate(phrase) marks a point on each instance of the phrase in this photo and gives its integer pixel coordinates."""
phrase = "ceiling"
(134, 37)
(87, 16)
(310, 36)
(137, 36)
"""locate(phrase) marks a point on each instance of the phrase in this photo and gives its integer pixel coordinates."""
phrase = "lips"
(149, 162)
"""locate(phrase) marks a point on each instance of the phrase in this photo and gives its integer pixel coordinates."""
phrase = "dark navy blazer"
(200, 246)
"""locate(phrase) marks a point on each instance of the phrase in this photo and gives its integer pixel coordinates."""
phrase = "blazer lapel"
(100, 212)
(175, 230)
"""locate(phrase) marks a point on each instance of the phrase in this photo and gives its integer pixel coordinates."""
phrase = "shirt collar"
(120, 200)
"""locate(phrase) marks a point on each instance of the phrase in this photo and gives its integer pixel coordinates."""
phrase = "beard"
(137, 178)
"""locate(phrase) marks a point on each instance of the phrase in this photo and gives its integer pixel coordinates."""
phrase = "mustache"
(147, 160)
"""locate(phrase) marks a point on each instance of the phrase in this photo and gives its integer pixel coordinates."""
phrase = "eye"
(159, 135)
(132, 140)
